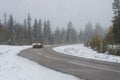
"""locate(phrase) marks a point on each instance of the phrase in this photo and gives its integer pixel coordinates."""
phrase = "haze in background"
(59, 12)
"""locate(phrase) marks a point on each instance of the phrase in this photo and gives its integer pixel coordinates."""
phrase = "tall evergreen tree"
(47, 34)
(71, 33)
(74, 35)
(5, 19)
(99, 31)
(29, 34)
(39, 25)
(116, 21)
(63, 36)
(11, 30)
(57, 39)
(88, 32)
(35, 31)
(81, 37)
(19, 34)
(69, 28)
(25, 31)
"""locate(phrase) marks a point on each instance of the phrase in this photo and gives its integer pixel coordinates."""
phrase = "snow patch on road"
(81, 51)
(13, 67)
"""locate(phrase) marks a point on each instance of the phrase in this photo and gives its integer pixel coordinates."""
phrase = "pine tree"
(63, 36)
(2, 33)
(71, 33)
(116, 21)
(116, 24)
(81, 37)
(11, 30)
(74, 35)
(88, 32)
(25, 31)
(69, 28)
(35, 31)
(47, 33)
(29, 30)
(39, 25)
(99, 31)
(57, 38)
(5, 19)
(19, 37)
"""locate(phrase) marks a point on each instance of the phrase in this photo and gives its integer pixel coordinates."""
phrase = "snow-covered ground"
(81, 51)
(13, 67)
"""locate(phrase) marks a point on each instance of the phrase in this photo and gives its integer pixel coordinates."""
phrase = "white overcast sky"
(59, 12)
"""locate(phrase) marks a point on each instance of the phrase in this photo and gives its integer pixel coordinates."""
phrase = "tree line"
(14, 33)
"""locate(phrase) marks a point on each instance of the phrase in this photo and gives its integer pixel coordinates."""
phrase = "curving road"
(83, 68)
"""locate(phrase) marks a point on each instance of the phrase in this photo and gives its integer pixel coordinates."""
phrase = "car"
(37, 45)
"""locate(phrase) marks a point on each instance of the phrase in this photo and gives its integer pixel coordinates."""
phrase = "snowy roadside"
(13, 67)
(81, 51)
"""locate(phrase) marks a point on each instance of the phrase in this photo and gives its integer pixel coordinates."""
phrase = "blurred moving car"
(37, 45)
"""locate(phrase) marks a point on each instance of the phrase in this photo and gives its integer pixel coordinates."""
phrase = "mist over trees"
(14, 33)
(36, 30)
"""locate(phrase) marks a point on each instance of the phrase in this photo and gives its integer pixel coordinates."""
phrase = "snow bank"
(81, 51)
(13, 67)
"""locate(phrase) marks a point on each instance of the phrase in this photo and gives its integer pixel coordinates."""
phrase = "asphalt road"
(83, 68)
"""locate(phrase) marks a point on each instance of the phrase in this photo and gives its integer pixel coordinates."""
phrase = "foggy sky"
(60, 12)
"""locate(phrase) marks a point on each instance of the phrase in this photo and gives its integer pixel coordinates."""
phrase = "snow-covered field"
(81, 51)
(13, 67)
